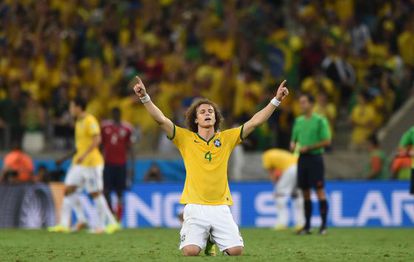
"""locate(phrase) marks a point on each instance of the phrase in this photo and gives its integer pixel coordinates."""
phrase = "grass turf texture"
(161, 245)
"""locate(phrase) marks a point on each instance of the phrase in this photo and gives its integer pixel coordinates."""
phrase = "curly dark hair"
(191, 114)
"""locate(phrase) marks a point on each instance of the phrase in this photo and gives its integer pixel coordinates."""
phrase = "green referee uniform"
(310, 131)
(307, 132)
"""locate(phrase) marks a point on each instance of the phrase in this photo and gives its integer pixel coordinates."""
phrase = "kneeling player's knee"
(191, 250)
(234, 251)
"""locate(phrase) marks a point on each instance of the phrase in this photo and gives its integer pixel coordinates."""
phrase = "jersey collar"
(206, 140)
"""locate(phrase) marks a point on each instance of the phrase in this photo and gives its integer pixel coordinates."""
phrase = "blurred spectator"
(41, 174)
(227, 51)
(318, 82)
(17, 166)
(363, 121)
(340, 71)
(61, 119)
(406, 42)
(360, 35)
(401, 166)
(377, 162)
(325, 108)
(34, 120)
(33, 115)
(153, 174)
(10, 114)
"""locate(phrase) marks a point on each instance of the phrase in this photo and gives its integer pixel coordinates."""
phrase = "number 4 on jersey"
(208, 156)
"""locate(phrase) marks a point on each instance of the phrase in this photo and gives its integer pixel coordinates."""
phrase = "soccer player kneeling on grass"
(206, 151)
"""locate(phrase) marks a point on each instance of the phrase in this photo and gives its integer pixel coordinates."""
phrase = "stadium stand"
(232, 52)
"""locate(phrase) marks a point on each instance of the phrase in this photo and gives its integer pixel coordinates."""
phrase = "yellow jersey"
(278, 159)
(206, 165)
(86, 128)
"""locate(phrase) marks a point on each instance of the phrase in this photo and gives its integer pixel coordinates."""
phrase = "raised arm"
(264, 114)
(165, 123)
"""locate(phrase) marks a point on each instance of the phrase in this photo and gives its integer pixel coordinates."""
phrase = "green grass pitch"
(161, 245)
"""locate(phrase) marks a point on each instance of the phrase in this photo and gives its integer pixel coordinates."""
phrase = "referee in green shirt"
(407, 143)
(310, 135)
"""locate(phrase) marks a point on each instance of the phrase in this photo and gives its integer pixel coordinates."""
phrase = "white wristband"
(145, 99)
(275, 102)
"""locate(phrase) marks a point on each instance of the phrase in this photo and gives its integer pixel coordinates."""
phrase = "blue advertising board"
(172, 170)
(352, 204)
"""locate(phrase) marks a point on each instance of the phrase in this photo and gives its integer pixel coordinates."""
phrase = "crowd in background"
(355, 56)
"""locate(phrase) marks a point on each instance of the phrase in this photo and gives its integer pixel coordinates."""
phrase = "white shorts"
(88, 178)
(287, 182)
(202, 220)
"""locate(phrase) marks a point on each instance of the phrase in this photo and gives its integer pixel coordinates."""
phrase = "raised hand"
(282, 91)
(139, 87)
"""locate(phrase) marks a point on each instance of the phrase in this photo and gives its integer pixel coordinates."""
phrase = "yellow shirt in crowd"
(363, 117)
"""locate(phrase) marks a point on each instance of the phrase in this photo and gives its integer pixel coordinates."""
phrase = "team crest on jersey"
(217, 142)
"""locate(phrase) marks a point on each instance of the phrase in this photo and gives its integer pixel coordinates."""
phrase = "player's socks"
(104, 213)
(100, 222)
(308, 214)
(77, 207)
(299, 212)
(63, 226)
(323, 209)
(66, 212)
(119, 210)
(282, 210)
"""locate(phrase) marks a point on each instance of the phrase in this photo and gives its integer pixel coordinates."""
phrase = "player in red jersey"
(117, 145)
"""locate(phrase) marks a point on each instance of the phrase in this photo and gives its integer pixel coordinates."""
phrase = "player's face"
(305, 105)
(206, 117)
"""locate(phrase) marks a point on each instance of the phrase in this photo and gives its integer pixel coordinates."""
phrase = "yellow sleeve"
(178, 136)
(234, 136)
(93, 127)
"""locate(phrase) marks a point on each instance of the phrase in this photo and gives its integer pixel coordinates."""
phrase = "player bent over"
(282, 168)
(85, 173)
(206, 151)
